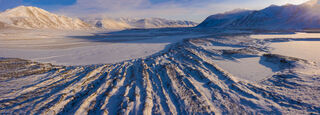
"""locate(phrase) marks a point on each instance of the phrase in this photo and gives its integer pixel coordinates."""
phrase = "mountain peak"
(24, 11)
(22, 8)
(33, 17)
(238, 10)
(301, 16)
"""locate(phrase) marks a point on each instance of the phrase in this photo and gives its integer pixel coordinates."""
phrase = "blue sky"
(195, 10)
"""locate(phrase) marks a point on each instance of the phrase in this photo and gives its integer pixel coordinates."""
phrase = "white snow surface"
(299, 44)
(159, 71)
(65, 48)
(308, 50)
(290, 35)
(189, 77)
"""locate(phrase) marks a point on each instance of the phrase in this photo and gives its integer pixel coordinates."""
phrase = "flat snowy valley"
(85, 47)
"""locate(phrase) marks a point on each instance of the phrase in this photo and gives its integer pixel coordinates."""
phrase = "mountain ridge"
(273, 17)
(29, 17)
(35, 18)
(128, 23)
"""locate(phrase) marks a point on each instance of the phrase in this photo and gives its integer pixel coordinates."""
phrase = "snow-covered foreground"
(187, 78)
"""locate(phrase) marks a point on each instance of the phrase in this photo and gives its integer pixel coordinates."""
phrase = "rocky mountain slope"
(274, 17)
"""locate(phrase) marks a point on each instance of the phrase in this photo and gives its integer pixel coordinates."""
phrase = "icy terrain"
(187, 78)
(299, 44)
(56, 70)
(83, 47)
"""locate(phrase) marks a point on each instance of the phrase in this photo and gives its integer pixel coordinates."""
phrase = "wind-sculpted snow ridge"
(184, 80)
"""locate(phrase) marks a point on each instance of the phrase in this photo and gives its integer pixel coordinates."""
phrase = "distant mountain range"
(288, 16)
(125, 23)
(35, 18)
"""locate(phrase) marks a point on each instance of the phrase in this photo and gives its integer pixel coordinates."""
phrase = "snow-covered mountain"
(36, 18)
(2, 25)
(224, 19)
(157, 23)
(273, 17)
(125, 23)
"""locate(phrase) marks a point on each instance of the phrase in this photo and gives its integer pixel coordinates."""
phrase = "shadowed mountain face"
(273, 17)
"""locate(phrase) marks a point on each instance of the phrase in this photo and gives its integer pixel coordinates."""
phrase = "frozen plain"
(189, 71)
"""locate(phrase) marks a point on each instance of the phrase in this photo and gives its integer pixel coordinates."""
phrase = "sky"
(193, 10)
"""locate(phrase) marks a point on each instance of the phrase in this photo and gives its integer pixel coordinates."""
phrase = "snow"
(192, 76)
(308, 50)
(158, 71)
(299, 44)
(292, 35)
(57, 48)
(287, 17)
(250, 69)
(29, 17)
(127, 23)
(36, 18)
